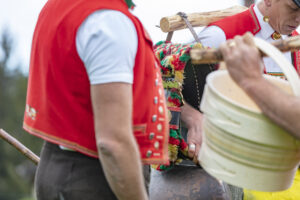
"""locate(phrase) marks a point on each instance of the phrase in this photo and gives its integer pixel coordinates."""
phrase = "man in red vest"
(269, 20)
(95, 96)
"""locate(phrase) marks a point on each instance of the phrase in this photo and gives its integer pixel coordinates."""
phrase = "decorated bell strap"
(174, 116)
(173, 59)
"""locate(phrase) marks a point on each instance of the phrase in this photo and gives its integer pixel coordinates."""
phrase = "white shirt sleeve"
(107, 44)
(211, 36)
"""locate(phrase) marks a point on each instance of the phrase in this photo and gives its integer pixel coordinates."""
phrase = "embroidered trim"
(277, 74)
(60, 141)
(84, 150)
(254, 19)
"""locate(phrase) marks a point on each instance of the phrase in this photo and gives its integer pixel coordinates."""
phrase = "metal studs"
(149, 153)
(151, 135)
(159, 91)
(155, 100)
(159, 127)
(159, 137)
(154, 118)
(156, 154)
(156, 145)
(160, 109)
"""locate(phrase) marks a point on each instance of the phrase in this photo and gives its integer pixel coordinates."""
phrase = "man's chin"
(287, 32)
(290, 30)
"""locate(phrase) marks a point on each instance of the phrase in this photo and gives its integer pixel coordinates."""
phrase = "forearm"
(190, 116)
(193, 121)
(123, 168)
(117, 147)
(280, 107)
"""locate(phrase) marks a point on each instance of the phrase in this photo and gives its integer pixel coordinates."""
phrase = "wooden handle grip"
(173, 23)
(202, 56)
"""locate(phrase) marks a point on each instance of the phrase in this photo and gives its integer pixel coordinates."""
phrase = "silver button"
(155, 100)
(159, 137)
(160, 109)
(156, 145)
(154, 118)
(159, 91)
(149, 153)
(156, 82)
(156, 65)
(156, 154)
(151, 135)
(159, 127)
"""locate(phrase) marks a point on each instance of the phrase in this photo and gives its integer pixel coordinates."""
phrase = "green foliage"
(16, 172)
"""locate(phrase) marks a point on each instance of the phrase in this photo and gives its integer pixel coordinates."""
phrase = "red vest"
(246, 21)
(58, 106)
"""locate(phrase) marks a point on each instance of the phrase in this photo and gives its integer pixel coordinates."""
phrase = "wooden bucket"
(241, 146)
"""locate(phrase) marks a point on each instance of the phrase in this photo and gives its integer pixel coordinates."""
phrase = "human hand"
(194, 141)
(242, 59)
(193, 120)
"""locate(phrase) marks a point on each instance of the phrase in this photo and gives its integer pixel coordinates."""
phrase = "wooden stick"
(19, 146)
(202, 56)
(173, 23)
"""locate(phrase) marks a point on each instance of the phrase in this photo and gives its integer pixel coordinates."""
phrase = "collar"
(266, 29)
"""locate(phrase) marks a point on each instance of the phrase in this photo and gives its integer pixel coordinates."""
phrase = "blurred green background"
(16, 171)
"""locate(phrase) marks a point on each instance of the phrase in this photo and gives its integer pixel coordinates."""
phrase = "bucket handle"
(286, 67)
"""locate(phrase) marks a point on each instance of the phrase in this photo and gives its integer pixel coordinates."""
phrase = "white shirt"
(107, 44)
(213, 36)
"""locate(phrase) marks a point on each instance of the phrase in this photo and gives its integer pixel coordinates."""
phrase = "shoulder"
(212, 36)
(103, 18)
(106, 27)
(103, 35)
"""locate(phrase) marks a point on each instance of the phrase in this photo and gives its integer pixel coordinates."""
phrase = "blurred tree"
(248, 3)
(16, 172)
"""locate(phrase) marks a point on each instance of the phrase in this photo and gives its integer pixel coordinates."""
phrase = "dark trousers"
(68, 175)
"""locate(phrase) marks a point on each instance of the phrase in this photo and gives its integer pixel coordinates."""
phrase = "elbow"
(111, 148)
(107, 148)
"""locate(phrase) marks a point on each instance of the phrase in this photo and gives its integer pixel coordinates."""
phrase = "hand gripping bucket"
(241, 146)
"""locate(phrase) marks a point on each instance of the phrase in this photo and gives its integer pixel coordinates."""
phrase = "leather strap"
(188, 24)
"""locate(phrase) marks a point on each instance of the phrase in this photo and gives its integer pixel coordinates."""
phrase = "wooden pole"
(173, 23)
(19, 146)
(202, 56)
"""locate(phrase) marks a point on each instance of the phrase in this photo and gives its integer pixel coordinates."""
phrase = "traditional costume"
(250, 20)
(58, 105)
(174, 59)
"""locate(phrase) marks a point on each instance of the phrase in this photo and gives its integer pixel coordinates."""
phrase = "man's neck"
(262, 8)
